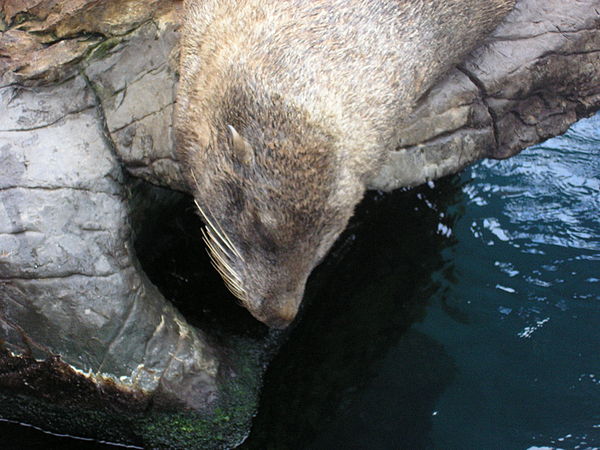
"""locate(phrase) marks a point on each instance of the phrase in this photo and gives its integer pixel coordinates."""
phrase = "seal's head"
(268, 192)
(286, 111)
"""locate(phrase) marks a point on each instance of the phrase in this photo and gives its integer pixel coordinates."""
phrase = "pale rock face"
(70, 283)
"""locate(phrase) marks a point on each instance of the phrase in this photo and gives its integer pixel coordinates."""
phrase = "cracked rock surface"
(87, 90)
(533, 77)
(68, 275)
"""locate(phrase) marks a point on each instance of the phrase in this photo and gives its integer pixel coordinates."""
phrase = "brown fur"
(286, 109)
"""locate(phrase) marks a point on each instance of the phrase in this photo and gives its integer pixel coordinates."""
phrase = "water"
(458, 315)
(527, 267)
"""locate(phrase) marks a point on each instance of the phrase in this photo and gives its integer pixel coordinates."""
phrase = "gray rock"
(534, 77)
(67, 259)
(139, 123)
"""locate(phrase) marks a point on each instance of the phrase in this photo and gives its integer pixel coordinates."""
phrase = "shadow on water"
(360, 303)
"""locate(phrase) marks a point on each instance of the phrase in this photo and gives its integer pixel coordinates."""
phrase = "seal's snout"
(278, 314)
(279, 322)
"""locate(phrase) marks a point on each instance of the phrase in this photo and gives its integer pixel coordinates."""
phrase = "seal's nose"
(278, 322)
(280, 313)
(280, 317)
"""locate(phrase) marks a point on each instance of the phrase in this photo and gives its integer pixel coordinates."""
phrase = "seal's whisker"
(219, 257)
(231, 281)
(235, 290)
(222, 261)
(224, 271)
(210, 240)
(228, 242)
(213, 226)
(209, 223)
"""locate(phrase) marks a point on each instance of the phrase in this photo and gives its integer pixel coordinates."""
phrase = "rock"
(66, 232)
(86, 100)
(534, 77)
(140, 125)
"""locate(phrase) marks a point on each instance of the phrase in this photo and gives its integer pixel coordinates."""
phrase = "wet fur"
(285, 111)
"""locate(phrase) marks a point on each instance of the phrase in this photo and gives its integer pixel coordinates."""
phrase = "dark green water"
(460, 315)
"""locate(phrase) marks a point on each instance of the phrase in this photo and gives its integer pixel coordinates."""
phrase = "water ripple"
(550, 193)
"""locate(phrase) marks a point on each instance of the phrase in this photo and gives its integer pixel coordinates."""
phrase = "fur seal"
(285, 111)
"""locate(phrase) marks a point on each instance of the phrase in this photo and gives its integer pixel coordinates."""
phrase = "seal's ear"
(243, 151)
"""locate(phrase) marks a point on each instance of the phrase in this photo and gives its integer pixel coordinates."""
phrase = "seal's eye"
(268, 219)
(242, 151)
(265, 235)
